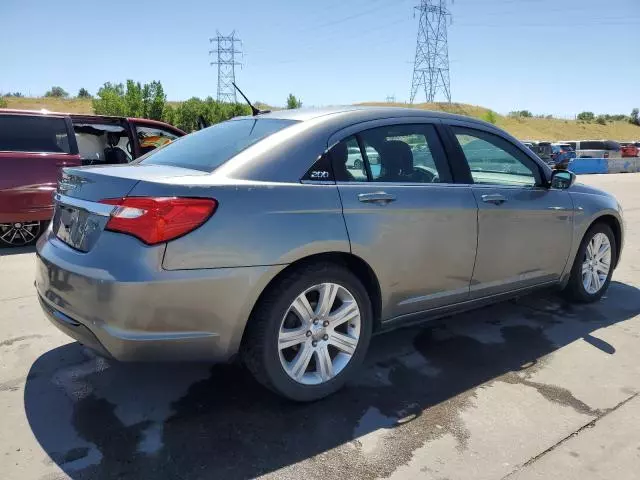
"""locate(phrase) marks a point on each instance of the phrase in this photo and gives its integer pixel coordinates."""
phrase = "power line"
(431, 64)
(226, 52)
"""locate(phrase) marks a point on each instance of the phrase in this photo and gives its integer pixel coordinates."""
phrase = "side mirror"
(562, 179)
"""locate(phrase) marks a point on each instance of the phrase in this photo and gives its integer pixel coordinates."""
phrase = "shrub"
(57, 92)
(84, 93)
(635, 117)
(601, 120)
(490, 116)
(3, 103)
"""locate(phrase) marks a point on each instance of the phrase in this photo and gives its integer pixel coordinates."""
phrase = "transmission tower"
(431, 65)
(226, 51)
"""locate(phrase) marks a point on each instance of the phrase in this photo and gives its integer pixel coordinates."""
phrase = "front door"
(525, 229)
(405, 218)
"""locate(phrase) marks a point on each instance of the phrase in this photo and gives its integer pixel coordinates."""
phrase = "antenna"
(254, 110)
(226, 61)
(431, 65)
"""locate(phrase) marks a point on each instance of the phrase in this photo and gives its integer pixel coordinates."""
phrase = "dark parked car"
(561, 155)
(253, 238)
(35, 146)
(542, 149)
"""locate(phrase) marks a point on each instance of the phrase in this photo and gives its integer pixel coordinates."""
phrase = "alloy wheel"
(319, 334)
(596, 264)
(17, 234)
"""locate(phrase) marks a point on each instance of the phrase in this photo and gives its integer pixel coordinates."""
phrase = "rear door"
(525, 228)
(33, 151)
(404, 215)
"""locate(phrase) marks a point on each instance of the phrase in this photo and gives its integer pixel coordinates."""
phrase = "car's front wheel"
(593, 266)
(310, 332)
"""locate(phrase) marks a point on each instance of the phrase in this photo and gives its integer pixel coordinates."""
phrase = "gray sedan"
(253, 239)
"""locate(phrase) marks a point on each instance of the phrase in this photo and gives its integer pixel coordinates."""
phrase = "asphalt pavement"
(533, 388)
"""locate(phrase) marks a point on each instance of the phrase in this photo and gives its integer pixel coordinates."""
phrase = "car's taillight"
(158, 219)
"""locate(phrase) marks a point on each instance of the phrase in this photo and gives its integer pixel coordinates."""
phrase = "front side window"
(151, 138)
(23, 133)
(402, 154)
(493, 160)
(207, 149)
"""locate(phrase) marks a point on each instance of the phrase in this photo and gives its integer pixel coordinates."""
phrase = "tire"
(575, 289)
(21, 234)
(357, 164)
(261, 350)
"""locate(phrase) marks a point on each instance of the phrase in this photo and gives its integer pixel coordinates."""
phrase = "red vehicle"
(630, 149)
(35, 146)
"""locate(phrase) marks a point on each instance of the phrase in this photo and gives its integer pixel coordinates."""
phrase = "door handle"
(559, 209)
(380, 198)
(494, 198)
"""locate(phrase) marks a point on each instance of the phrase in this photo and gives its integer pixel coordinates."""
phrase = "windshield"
(207, 149)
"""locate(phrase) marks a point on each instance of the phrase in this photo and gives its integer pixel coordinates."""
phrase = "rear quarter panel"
(27, 183)
(257, 224)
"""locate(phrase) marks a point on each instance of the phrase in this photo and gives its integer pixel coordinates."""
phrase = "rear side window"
(207, 149)
(401, 153)
(22, 133)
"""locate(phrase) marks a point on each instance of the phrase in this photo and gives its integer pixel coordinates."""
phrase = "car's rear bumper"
(144, 313)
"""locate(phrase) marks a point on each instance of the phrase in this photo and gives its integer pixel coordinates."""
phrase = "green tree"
(133, 99)
(57, 92)
(154, 100)
(84, 93)
(3, 103)
(635, 117)
(110, 100)
(293, 102)
(586, 117)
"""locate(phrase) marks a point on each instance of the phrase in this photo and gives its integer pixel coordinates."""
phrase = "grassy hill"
(523, 128)
(537, 128)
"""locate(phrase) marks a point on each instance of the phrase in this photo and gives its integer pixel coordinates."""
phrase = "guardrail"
(583, 166)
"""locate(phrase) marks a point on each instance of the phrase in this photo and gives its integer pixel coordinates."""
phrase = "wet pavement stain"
(227, 426)
(11, 341)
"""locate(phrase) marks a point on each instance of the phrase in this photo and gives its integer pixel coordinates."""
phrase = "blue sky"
(547, 56)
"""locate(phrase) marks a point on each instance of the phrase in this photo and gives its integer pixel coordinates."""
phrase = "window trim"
(458, 157)
(357, 129)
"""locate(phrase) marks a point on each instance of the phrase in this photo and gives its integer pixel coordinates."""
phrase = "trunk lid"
(79, 218)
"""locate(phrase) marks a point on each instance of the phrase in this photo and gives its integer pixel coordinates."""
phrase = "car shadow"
(99, 419)
(6, 251)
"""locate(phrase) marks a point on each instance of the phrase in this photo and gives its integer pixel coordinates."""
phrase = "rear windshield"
(24, 133)
(207, 149)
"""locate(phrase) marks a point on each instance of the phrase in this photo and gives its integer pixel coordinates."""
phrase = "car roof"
(362, 113)
(40, 113)
(88, 117)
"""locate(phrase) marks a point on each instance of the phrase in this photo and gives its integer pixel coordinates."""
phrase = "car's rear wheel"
(20, 234)
(309, 332)
(593, 266)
